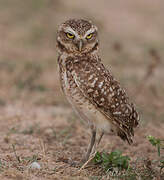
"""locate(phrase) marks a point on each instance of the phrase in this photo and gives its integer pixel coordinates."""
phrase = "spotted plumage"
(91, 88)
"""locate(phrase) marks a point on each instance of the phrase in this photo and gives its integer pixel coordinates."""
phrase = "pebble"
(35, 165)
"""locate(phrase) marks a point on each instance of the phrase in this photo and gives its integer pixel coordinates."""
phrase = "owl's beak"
(80, 44)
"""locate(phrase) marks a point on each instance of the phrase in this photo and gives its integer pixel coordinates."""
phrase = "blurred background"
(131, 37)
(129, 31)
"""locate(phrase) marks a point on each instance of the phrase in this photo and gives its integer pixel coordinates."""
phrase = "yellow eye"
(70, 36)
(89, 36)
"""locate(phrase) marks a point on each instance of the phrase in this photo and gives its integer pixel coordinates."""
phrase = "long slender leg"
(98, 142)
(91, 149)
(101, 135)
(91, 144)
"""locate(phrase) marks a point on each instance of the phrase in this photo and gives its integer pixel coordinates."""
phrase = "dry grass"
(37, 124)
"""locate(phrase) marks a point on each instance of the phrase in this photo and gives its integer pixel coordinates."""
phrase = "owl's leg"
(101, 135)
(91, 144)
(90, 149)
(97, 143)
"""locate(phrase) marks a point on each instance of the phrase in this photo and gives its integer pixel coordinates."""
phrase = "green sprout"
(110, 161)
(155, 142)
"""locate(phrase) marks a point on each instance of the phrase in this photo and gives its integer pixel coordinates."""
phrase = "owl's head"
(77, 36)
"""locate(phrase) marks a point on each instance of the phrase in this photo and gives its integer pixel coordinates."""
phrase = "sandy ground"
(37, 123)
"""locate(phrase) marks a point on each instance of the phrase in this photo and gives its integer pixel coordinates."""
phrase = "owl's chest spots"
(81, 104)
(71, 90)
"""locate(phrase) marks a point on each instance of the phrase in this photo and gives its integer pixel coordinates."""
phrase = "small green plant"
(112, 161)
(157, 143)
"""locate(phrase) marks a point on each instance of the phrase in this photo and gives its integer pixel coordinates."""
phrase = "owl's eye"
(89, 36)
(70, 36)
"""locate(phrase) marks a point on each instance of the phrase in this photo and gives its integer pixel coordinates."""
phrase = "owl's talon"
(75, 164)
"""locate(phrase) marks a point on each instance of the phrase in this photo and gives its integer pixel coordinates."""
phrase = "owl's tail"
(126, 136)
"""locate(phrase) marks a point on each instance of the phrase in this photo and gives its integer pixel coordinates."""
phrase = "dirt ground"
(36, 121)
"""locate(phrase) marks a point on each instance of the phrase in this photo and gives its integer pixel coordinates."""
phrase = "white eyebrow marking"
(70, 30)
(93, 29)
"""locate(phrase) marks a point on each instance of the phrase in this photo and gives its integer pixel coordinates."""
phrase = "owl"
(91, 88)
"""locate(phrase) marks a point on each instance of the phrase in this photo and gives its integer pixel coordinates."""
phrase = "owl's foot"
(88, 161)
(83, 163)
(75, 163)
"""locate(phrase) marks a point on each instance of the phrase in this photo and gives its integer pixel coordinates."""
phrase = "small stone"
(34, 165)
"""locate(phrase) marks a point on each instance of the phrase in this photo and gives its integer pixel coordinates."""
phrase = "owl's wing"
(98, 85)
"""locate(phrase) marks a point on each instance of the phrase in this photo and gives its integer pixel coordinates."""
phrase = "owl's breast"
(81, 104)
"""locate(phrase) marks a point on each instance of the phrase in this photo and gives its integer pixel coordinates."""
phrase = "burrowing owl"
(91, 88)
